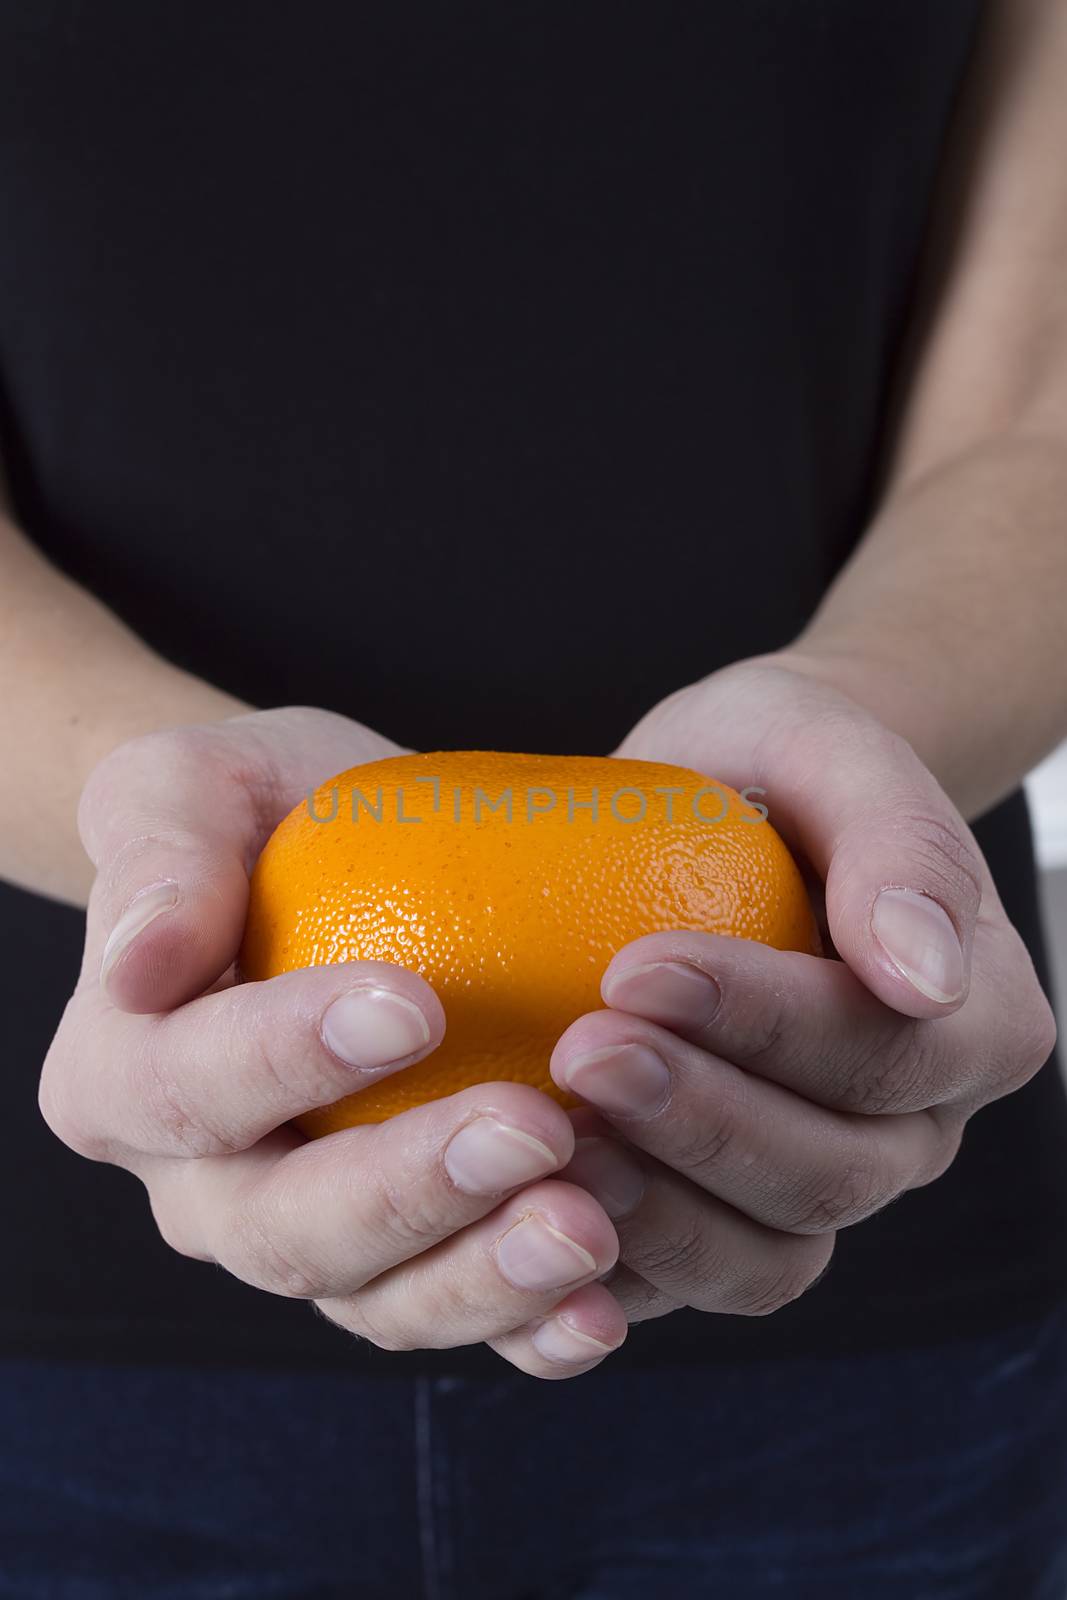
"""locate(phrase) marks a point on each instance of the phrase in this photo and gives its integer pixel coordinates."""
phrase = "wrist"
(881, 683)
(913, 699)
(891, 686)
(40, 848)
(156, 696)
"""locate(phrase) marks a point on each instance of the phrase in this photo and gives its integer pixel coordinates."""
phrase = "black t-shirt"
(485, 372)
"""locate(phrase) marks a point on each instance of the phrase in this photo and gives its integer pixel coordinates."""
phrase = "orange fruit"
(493, 877)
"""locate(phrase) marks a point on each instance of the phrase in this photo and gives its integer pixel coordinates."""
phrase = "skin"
(799, 1094)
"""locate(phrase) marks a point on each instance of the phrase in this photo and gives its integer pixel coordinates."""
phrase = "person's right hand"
(439, 1228)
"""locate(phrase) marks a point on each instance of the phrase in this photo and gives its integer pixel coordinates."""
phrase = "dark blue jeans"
(935, 1474)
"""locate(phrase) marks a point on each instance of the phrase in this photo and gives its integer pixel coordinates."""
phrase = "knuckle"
(280, 1066)
(463, 1316)
(99, 789)
(162, 751)
(66, 1123)
(701, 1146)
(838, 1198)
(87, 1142)
(157, 770)
(62, 1106)
(699, 1143)
(341, 1313)
(640, 1300)
(354, 1315)
(254, 1252)
(681, 1258)
(791, 1273)
(949, 862)
(1026, 1036)
(396, 1343)
(272, 1070)
(1039, 1037)
(763, 1019)
(159, 753)
(1033, 1042)
(947, 1140)
(53, 1102)
(174, 1237)
(891, 1073)
(175, 1223)
(410, 1214)
(169, 1116)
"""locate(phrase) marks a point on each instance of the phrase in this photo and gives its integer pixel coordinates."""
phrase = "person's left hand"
(748, 1102)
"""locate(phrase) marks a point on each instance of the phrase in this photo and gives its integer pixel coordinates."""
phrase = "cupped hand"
(442, 1227)
(744, 1103)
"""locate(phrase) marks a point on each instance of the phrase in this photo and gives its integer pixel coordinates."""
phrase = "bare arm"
(74, 682)
(948, 620)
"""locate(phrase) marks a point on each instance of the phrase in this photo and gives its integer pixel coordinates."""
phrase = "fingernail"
(488, 1156)
(371, 1027)
(142, 909)
(918, 937)
(628, 1080)
(611, 1176)
(556, 1340)
(534, 1255)
(671, 991)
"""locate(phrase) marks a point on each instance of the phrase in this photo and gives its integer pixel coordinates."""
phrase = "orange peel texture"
(508, 882)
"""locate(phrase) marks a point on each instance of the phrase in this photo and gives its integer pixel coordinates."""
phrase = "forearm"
(948, 620)
(74, 682)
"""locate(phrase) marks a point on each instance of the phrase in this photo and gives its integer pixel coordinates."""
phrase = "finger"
(514, 1265)
(690, 1246)
(904, 877)
(322, 1218)
(217, 1074)
(639, 1300)
(173, 823)
(764, 1150)
(578, 1334)
(812, 1026)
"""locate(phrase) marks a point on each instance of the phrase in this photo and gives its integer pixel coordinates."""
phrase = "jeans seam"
(442, 1483)
(426, 1514)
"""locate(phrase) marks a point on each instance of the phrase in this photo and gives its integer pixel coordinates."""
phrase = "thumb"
(904, 876)
(174, 822)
